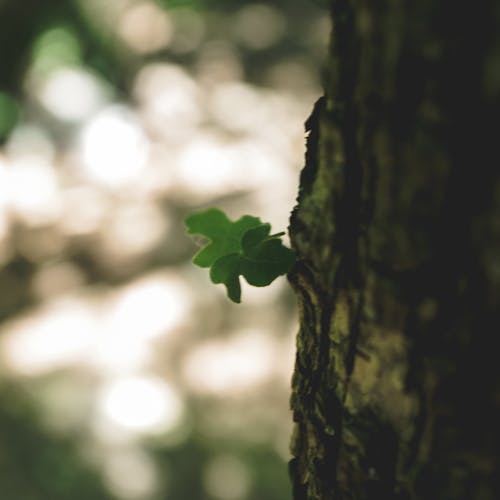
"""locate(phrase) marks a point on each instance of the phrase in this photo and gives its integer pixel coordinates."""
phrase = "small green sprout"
(243, 247)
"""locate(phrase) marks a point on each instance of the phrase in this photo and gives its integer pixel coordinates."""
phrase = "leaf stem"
(277, 235)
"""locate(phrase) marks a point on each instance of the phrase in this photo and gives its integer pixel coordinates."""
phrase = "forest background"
(124, 374)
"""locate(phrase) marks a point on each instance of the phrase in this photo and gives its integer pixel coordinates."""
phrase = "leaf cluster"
(244, 247)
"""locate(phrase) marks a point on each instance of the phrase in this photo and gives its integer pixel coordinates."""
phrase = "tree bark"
(396, 388)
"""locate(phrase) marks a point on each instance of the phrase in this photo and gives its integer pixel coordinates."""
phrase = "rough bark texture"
(396, 389)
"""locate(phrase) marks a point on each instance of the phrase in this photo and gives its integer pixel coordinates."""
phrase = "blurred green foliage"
(8, 114)
(35, 465)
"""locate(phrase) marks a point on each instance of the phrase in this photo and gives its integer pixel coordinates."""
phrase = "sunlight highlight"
(114, 148)
(170, 100)
(141, 404)
(227, 367)
(145, 27)
(34, 191)
(72, 94)
(131, 474)
(250, 102)
(212, 165)
(57, 335)
(120, 236)
(85, 209)
(30, 142)
(150, 308)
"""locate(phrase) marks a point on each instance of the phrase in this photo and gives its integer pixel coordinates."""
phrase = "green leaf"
(243, 247)
(226, 270)
(225, 235)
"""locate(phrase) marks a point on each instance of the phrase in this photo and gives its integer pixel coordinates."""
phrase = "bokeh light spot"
(131, 474)
(259, 26)
(226, 367)
(149, 307)
(120, 236)
(30, 142)
(55, 47)
(226, 478)
(34, 192)
(141, 404)
(145, 27)
(54, 279)
(189, 30)
(57, 335)
(170, 101)
(114, 147)
(72, 94)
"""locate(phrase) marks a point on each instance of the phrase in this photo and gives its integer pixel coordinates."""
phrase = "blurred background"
(125, 374)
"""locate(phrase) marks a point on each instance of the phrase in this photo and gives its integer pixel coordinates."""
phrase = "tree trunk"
(396, 389)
